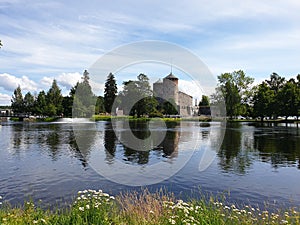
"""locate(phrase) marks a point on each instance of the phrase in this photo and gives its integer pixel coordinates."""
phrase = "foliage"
(204, 101)
(235, 89)
(54, 100)
(262, 101)
(289, 99)
(84, 99)
(136, 97)
(100, 107)
(277, 97)
(17, 103)
(169, 107)
(40, 104)
(110, 92)
(29, 103)
(97, 207)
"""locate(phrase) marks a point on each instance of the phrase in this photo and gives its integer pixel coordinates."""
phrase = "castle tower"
(158, 89)
(170, 84)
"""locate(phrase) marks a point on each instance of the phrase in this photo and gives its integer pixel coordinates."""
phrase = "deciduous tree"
(236, 90)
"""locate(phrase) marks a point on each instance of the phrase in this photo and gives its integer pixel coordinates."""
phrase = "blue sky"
(43, 40)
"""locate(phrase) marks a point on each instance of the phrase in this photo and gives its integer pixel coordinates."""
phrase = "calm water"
(52, 161)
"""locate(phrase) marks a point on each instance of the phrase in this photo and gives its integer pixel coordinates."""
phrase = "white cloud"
(49, 38)
(191, 88)
(5, 99)
(68, 80)
(10, 82)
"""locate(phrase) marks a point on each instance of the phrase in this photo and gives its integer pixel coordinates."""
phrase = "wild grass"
(97, 207)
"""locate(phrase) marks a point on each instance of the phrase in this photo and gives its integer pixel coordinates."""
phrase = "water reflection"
(234, 153)
(243, 145)
(277, 145)
(115, 148)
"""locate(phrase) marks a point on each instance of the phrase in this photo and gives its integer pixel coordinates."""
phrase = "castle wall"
(185, 103)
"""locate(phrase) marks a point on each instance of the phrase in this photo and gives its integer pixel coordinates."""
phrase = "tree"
(263, 101)
(100, 107)
(29, 103)
(169, 107)
(67, 104)
(17, 103)
(288, 98)
(54, 100)
(235, 89)
(204, 106)
(110, 92)
(204, 101)
(84, 100)
(138, 95)
(40, 104)
(275, 84)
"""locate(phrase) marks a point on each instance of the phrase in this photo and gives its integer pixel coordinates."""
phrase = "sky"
(46, 40)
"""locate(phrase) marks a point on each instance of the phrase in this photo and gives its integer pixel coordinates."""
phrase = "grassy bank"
(131, 118)
(96, 207)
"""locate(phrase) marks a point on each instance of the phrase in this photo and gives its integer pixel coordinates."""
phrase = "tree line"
(272, 98)
(82, 102)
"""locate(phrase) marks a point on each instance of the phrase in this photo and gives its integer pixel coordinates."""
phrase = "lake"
(50, 162)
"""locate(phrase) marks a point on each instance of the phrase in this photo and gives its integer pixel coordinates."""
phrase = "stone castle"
(167, 89)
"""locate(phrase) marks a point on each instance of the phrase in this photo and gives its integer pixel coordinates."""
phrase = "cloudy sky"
(43, 40)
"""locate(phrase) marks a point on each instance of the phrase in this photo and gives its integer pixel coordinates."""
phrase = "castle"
(167, 89)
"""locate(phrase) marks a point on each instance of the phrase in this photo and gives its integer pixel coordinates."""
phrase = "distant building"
(167, 90)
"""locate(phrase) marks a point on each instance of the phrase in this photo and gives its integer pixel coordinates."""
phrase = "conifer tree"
(110, 92)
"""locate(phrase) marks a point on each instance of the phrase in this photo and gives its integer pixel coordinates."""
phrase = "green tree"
(67, 104)
(138, 94)
(235, 89)
(110, 92)
(84, 100)
(29, 103)
(204, 106)
(169, 107)
(288, 98)
(17, 102)
(100, 107)
(263, 101)
(54, 100)
(275, 83)
(204, 101)
(40, 104)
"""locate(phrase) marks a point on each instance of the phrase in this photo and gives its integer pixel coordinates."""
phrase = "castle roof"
(171, 76)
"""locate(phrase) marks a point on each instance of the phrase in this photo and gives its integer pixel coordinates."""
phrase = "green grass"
(47, 119)
(131, 118)
(96, 207)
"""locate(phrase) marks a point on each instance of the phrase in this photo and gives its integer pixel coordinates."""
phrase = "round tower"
(170, 84)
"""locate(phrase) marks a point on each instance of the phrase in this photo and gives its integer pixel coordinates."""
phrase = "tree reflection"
(109, 142)
(167, 148)
(278, 146)
(233, 155)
